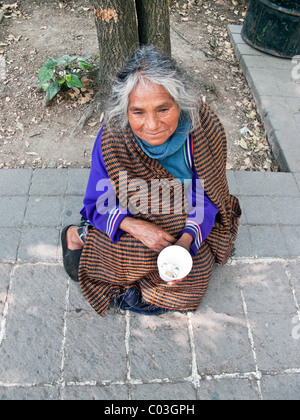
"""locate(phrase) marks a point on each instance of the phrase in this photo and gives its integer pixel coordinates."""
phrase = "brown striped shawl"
(107, 268)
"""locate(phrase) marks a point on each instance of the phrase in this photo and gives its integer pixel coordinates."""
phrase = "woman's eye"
(164, 110)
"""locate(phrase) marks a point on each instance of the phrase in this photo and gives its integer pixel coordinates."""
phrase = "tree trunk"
(122, 26)
(154, 23)
(117, 36)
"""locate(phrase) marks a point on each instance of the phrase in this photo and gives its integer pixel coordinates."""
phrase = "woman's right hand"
(151, 235)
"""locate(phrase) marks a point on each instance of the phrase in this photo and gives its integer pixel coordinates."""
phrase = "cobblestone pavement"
(242, 343)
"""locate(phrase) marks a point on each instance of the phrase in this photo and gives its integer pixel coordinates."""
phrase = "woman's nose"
(152, 122)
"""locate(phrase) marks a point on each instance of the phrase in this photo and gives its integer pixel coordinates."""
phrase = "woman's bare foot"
(73, 239)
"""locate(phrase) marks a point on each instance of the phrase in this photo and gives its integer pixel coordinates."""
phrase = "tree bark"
(154, 23)
(117, 36)
(122, 26)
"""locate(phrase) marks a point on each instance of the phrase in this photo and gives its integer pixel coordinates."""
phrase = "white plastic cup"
(176, 256)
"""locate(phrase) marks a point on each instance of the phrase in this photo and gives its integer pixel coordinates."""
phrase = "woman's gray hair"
(149, 64)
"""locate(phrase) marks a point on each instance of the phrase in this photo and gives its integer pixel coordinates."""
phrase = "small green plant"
(64, 73)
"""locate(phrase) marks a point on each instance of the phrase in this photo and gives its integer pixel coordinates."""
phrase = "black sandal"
(71, 259)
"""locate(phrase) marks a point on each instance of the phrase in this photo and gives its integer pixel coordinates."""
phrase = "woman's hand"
(151, 235)
(185, 241)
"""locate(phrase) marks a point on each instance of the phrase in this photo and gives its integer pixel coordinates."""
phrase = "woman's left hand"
(185, 241)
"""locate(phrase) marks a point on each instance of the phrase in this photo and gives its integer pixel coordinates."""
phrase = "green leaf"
(74, 82)
(50, 64)
(45, 87)
(45, 74)
(53, 89)
(84, 65)
(86, 56)
(68, 78)
(68, 59)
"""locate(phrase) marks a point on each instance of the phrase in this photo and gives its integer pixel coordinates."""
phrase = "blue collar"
(171, 146)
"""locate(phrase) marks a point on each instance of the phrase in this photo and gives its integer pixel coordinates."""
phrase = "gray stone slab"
(243, 243)
(44, 211)
(281, 387)
(12, 210)
(221, 341)
(271, 308)
(292, 235)
(39, 244)
(31, 351)
(251, 183)
(157, 344)
(297, 179)
(15, 181)
(49, 182)
(281, 184)
(5, 270)
(233, 187)
(272, 77)
(95, 346)
(259, 210)
(33, 393)
(161, 392)
(71, 212)
(220, 331)
(223, 294)
(268, 242)
(9, 243)
(287, 210)
(228, 389)
(77, 182)
(99, 393)
(290, 148)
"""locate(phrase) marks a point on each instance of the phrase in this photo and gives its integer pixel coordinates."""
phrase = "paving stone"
(12, 210)
(221, 342)
(44, 211)
(47, 182)
(5, 270)
(157, 344)
(292, 235)
(259, 211)
(160, 392)
(228, 389)
(39, 244)
(35, 393)
(251, 183)
(87, 392)
(243, 243)
(77, 181)
(293, 271)
(31, 351)
(271, 308)
(9, 243)
(268, 242)
(15, 181)
(94, 348)
(288, 210)
(281, 387)
(297, 178)
(233, 187)
(281, 184)
(72, 207)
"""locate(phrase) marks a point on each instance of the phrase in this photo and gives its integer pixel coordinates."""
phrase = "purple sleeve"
(101, 206)
(201, 218)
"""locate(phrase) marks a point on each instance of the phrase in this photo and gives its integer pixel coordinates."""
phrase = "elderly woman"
(157, 133)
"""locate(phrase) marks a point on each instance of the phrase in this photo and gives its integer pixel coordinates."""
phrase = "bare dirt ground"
(31, 32)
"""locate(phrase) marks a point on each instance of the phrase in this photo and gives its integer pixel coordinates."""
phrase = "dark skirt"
(107, 269)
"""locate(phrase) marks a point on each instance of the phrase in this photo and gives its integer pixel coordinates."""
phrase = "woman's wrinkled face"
(152, 113)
